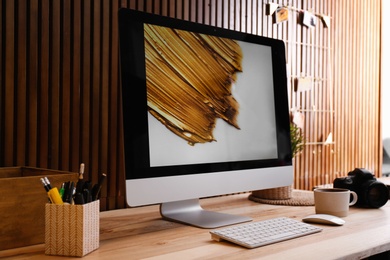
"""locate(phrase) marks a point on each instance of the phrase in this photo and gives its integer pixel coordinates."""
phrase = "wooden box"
(22, 204)
(71, 230)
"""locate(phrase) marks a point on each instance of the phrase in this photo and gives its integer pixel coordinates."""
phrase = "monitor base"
(190, 212)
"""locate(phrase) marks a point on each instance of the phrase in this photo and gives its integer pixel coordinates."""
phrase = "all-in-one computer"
(205, 113)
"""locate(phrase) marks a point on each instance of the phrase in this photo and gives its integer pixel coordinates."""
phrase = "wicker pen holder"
(71, 230)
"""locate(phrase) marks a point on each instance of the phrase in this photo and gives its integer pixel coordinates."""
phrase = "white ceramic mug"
(333, 201)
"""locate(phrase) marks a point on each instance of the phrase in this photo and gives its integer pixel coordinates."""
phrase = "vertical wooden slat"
(105, 77)
(335, 79)
(32, 87)
(225, 14)
(204, 12)
(192, 8)
(75, 61)
(44, 90)
(95, 88)
(65, 93)
(85, 85)
(377, 114)
(354, 89)
(255, 16)
(55, 47)
(377, 134)
(172, 8)
(178, 9)
(186, 10)
(9, 83)
(2, 82)
(358, 90)
(243, 17)
(21, 86)
(369, 80)
(105, 88)
(212, 10)
(331, 72)
(115, 198)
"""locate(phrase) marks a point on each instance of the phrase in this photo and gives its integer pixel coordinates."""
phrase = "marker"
(54, 196)
(68, 194)
(62, 190)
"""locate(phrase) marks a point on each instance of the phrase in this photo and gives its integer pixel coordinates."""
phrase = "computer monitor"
(205, 113)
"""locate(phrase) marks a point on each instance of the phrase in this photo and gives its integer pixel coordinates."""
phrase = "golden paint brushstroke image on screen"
(189, 79)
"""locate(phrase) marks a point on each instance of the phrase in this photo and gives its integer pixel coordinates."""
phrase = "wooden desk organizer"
(22, 204)
(71, 230)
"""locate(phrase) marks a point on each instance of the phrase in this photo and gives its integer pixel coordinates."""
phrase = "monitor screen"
(205, 110)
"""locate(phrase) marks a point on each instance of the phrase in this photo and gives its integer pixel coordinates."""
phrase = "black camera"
(371, 193)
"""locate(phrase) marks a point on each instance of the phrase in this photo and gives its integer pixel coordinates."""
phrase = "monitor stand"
(190, 212)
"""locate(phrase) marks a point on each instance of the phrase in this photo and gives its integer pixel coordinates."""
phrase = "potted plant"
(283, 193)
(297, 139)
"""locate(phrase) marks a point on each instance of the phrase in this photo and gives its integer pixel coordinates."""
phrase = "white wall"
(386, 69)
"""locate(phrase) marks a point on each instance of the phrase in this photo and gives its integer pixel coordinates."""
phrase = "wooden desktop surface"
(140, 233)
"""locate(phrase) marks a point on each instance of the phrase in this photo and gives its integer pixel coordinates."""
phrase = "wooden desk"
(141, 233)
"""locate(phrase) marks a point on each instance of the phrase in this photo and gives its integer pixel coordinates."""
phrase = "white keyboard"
(261, 233)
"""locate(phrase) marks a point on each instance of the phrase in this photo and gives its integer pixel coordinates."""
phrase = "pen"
(48, 182)
(87, 196)
(79, 199)
(53, 194)
(45, 185)
(62, 189)
(68, 194)
(87, 191)
(97, 187)
(79, 196)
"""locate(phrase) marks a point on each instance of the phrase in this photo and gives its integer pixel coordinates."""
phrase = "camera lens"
(377, 195)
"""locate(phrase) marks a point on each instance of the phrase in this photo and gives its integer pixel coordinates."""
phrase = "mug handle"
(355, 198)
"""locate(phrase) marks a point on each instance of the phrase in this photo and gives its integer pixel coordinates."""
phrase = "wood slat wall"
(59, 76)
(356, 81)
